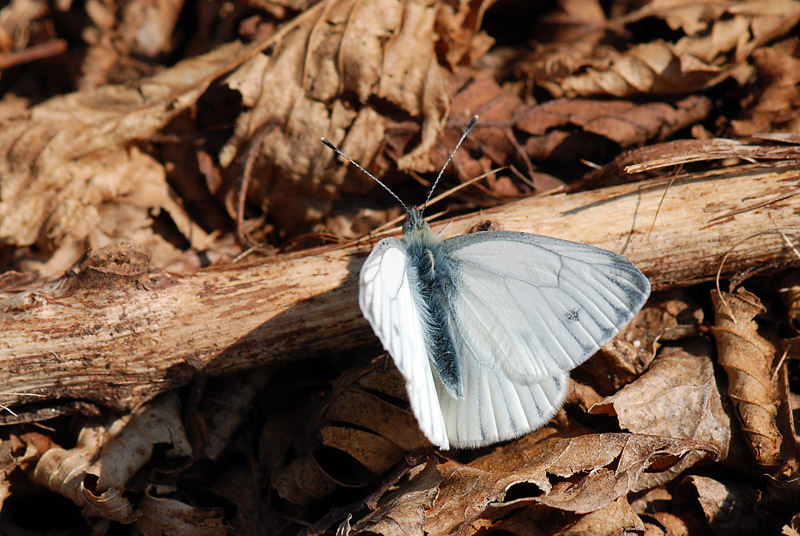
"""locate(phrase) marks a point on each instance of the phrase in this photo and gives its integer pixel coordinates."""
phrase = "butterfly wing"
(495, 407)
(525, 311)
(540, 305)
(386, 297)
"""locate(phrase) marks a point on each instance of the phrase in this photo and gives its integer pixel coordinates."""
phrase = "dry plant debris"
(182, 350)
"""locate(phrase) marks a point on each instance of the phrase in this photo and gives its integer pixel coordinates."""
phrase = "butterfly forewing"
(539, 305)
(387, 302)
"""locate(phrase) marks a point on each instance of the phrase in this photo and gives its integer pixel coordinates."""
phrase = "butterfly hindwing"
(387, 302)
(495, 407)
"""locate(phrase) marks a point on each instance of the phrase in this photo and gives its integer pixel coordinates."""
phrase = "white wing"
(387, 302)
(539, 305)
(495, 408)
(527, 309)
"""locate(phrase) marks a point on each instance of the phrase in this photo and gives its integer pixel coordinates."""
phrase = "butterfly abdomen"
(434, 279)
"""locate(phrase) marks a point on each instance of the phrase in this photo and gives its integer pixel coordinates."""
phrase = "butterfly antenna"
(449, 158)
(335, 149)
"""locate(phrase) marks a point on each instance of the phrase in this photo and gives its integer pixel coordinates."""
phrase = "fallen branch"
(116, 332)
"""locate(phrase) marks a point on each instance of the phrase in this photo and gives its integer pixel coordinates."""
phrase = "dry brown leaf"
(242, 486)
(725, 35)
(767, 19)
(75, 155)
(162, 515)
(367, 400)
(383, 50)
(666, 316)
(17, 19)
(793, 528)
(719, 38)
(16, 453)
(651, 68)
(458, 28)
(141, 28)
(580, 474)
(791, 297)
(611, 520)
(691, 17)
(225, 406)
(783, 483)
(402, 512)
(375, 453)
(623, 122)
(361, 421)
(748, 360)
(776, 106)
(730, 509)
(677, 397)
(668, 524)
(94, 473)
(511, 133)
(581, 395)
(624, 357)
(303, 481)
(673, 315)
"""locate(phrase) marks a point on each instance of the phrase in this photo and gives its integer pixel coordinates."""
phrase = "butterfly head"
(414, 221)
(416, 228)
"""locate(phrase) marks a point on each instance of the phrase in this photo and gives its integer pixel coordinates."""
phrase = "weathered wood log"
(116, 332)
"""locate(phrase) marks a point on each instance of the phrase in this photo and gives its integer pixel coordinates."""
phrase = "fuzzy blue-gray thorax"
(433, 275)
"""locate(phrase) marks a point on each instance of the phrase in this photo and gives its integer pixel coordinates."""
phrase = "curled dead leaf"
(729, 508)
(623, 122)
(95, 472)
(667, 316)
(716, 43)
(776, 102)
(793, 527)
(367, 428)
(303, 481)
(657, 67)
(403, 511)
(162, 515)
(747, 357)
(791, 297)
(614, 518)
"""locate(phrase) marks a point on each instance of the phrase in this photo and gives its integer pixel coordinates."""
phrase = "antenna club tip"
(329, 144)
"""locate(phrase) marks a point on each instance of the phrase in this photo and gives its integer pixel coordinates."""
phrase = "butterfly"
(485, 327)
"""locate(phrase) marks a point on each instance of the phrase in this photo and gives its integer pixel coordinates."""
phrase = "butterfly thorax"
(433, 274)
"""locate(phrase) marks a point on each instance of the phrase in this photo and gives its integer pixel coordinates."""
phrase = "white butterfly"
(485, 327)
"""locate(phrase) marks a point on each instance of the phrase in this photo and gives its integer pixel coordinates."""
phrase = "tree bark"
(116, 332)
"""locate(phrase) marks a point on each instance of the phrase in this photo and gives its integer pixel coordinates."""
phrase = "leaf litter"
(683, 424)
